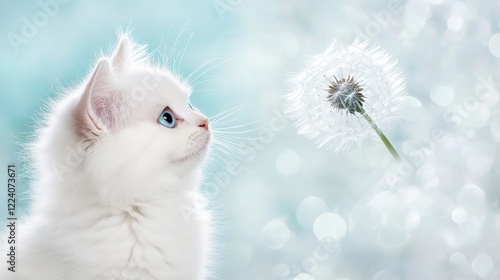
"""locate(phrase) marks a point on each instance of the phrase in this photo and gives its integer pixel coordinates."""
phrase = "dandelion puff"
(346, 95)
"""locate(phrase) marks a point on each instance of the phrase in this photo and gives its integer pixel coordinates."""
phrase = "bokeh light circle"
(329, 227)
(275, 234)
(459, 215)
(442, 95)
(494, 44)
(384, 275)
(309, 209)
(304, 276)
(482, 265)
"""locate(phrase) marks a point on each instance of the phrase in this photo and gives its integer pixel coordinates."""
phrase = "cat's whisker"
(174, 49)
(162, 42)
(216, 158)
(224, 111)
(205, 63)
(233, 135)
(178, 67)
(227, 113)
(206, 81)
(222, 164)
(229, 132)
(211, 68)
(221, 123)
(219, 160)
(228, 155)
(231, 125)
(221, 140)
(230, 128)
(227, 148)
(241, 161)
(224, 126)
(165, 52)
(236, 138)
(226, 143)
(208, 91)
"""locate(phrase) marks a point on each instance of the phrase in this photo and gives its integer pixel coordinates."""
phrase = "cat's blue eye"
(167, 118)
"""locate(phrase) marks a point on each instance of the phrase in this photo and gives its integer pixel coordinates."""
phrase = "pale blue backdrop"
(440, 220)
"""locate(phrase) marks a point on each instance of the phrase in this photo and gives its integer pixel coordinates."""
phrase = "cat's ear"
(95, 111)
(122, 54)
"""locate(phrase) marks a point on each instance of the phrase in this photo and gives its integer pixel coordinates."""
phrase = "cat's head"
(139, 125)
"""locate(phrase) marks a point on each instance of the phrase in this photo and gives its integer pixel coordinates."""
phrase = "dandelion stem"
(384, 139)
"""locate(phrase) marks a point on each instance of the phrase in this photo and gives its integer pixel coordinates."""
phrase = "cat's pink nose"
(204, 124)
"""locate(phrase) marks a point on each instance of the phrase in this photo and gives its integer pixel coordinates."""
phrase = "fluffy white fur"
(116, 193)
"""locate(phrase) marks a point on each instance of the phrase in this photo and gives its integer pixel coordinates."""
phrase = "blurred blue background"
(285, 209)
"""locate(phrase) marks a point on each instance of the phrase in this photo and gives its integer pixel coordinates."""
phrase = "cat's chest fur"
(160, 239)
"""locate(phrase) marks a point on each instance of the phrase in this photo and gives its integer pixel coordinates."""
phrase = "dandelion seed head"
(327, 97)
(346, 94)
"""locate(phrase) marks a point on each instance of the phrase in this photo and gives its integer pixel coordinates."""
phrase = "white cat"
(117, 173)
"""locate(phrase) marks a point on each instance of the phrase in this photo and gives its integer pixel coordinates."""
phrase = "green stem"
(384, 139)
